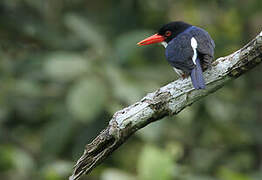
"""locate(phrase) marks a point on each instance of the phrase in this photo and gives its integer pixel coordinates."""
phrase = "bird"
(188, 49)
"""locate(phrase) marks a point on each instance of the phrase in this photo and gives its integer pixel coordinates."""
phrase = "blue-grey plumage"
(197, 76)
(189, 49)
(179, 51)
(190, 58)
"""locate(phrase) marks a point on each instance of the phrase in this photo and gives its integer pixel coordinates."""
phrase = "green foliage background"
(67, 65)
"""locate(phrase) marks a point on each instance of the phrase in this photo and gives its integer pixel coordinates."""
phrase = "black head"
(172, 29)
(166, 33)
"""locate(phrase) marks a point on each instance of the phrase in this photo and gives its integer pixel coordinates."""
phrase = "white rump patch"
(178, 71)
(194, 47)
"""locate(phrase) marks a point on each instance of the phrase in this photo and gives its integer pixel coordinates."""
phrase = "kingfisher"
(188, 49)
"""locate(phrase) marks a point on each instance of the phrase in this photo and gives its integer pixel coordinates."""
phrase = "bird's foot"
(184, 76)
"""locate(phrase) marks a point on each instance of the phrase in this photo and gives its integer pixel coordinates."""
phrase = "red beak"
(151, 40)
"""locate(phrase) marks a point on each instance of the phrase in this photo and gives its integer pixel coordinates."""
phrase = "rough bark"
(168, 100)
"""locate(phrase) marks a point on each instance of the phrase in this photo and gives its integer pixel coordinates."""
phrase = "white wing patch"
(194, 47)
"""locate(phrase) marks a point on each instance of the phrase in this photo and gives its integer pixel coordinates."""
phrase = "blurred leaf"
(114, 174)
(124, 88)
(24, 164)
(257, 175)
(57, 170)
(154, 164)
(26, 87)
(87, 32)
(241, 160)
(3, 114)
(86, 99)
(64, 66)
(152, 132)
(227, 174)
(203, 164)
(54, 142)
(220, 110)
(186, 116)
(198, 177)
(126, 44)
(175, 149)
(6, 158)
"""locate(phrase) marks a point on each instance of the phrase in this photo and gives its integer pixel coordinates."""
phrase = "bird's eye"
(168, 33)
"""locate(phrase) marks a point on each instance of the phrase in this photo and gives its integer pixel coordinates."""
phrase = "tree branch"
(168, 100)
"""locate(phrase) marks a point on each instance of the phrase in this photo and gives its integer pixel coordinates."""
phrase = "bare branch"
(168, 100)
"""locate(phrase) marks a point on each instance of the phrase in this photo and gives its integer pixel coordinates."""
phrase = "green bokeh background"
(67, 65)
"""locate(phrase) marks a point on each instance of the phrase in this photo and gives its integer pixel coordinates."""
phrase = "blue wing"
(205, 46)
(179, 52)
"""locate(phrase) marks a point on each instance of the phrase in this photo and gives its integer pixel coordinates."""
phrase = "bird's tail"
(197, 76)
